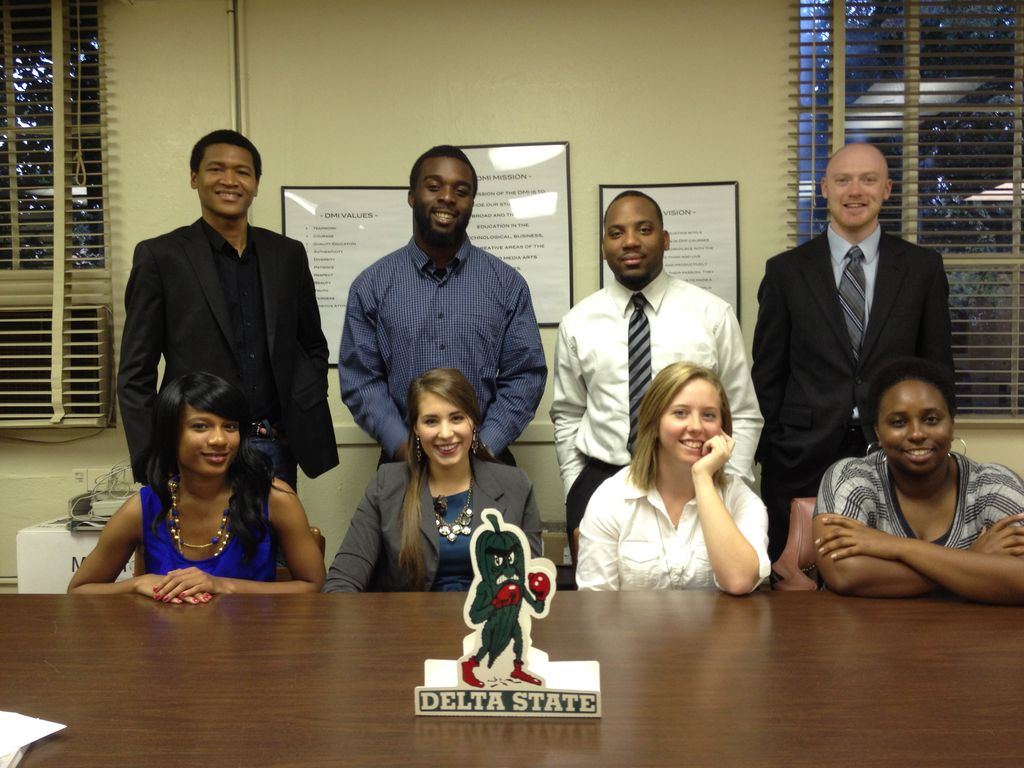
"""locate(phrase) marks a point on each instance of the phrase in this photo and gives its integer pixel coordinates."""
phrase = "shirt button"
(442, 347)
(440, 315)
(252, 356)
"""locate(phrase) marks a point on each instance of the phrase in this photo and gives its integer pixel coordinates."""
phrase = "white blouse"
(627, 540)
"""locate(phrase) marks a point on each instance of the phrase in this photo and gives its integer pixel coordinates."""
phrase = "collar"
(217, 241)
(653, 497)
(654, 292)
(423, 263)
(632, 493)
(838, 246)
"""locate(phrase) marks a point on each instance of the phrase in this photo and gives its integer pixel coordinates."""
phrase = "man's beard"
(636, 281)
(437, 238)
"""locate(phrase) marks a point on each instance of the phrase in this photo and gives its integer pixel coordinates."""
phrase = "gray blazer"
(367, 560)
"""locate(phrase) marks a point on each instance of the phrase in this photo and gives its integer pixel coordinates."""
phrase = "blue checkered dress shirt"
(404, 317)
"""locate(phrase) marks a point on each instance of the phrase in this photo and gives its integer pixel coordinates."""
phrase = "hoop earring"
(873, 447)
(962, 442)
(419, 449)
(476, 442)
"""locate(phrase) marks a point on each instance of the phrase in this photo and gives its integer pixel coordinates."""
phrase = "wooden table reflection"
(775, 679)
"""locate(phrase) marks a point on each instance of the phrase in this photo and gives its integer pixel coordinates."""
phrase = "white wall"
(350, 93)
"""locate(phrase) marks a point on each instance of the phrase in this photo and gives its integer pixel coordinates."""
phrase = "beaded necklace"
(460, 525)
(220, 539)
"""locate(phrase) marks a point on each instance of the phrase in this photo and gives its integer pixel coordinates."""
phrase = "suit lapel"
(821, 285)
(428, 520)
(487, 493)
(197, 249)
(888, 279)
(270, 279)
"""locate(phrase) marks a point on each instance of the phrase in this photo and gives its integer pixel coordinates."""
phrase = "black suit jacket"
(806, 378)
(175, 307)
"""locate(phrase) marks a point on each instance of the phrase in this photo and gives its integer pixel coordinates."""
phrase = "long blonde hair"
(643, 469)
(448, 384)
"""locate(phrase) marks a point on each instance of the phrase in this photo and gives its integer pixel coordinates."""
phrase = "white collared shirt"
(628, 542)
(590, 407)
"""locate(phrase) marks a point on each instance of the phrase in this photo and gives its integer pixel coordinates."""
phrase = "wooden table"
(688, 678)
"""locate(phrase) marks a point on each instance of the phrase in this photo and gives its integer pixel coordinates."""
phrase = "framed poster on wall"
(522, 216)
(345, 230)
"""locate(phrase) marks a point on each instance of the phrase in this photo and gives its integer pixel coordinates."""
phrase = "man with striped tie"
(831, 311)
(612, 343)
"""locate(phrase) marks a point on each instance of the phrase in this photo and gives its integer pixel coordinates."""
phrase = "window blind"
(55, 285)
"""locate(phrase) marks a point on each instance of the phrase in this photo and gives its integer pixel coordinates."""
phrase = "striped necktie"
(851, 297)
(639, 362)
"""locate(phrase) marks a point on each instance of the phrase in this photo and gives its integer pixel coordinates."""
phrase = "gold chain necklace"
(460, 525)
(220, 539)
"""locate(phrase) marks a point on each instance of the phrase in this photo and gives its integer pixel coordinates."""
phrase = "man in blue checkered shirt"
(441, 302)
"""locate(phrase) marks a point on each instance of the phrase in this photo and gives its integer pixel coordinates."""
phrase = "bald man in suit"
(811, 370)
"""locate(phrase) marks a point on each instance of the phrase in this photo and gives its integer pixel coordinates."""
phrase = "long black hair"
(249, 473)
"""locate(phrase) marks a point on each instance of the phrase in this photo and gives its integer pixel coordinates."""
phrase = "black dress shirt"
(240, 280)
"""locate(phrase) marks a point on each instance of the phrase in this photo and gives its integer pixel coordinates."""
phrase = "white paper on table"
(16, 730)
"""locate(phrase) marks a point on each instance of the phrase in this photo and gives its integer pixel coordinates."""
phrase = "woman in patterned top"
(915, 518)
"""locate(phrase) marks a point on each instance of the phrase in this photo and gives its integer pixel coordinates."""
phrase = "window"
(55, 286)
(935, 86)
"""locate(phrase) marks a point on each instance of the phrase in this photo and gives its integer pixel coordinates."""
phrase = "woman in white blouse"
(673, 519)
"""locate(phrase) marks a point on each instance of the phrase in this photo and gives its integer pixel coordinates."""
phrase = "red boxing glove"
(507, 595)
(540, 584)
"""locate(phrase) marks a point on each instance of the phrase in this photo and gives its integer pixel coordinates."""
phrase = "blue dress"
(162, 556)
(454, 566)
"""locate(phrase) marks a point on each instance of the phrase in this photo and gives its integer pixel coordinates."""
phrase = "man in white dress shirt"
(590, 408)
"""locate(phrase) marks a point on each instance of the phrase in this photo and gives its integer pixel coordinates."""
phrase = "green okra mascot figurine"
(500, 591)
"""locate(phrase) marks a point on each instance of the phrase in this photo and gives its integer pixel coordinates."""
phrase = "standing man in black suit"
(234, 300)
(831, 311)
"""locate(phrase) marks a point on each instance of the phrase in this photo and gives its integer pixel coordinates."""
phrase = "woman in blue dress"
(211, 518)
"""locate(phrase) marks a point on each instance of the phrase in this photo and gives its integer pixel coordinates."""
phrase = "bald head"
(859, 153)
(855, 185)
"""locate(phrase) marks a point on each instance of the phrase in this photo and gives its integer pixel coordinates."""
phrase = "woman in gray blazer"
(411, 531)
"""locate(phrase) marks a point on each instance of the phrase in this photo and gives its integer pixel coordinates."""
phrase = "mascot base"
(572, 689)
